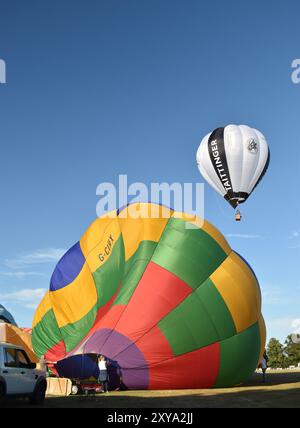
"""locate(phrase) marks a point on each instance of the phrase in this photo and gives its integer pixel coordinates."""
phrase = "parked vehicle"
(19, 377)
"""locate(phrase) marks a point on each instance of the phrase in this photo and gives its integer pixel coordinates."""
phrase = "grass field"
(281, 390)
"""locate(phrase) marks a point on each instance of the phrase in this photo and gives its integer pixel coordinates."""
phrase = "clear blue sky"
(99, 88)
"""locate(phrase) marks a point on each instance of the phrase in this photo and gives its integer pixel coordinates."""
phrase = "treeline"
(283, 355)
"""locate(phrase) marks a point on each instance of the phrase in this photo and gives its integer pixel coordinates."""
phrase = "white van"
(19, 377)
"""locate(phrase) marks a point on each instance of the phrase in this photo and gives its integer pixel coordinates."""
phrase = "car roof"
(9, 345)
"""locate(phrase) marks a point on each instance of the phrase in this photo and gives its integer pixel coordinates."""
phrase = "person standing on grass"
(264, 366)
(43, 364)
(103, 372)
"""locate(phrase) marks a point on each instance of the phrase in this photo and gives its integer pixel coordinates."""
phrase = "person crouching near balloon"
(103, 372)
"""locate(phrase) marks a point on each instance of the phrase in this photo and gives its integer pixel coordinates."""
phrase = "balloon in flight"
(233, 160)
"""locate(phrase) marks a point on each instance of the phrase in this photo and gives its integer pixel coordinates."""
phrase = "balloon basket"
(238, 216)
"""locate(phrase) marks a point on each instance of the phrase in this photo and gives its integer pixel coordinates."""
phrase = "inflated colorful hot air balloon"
(162, 296)
(233, 160)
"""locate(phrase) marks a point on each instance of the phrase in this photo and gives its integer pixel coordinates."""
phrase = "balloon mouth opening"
(236, 199)
(236, 202)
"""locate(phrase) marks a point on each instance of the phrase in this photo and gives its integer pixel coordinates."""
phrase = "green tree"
(276, 357)
(293, 351)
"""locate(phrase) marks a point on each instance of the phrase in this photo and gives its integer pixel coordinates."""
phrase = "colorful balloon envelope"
(162, 296)
(233, 160)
